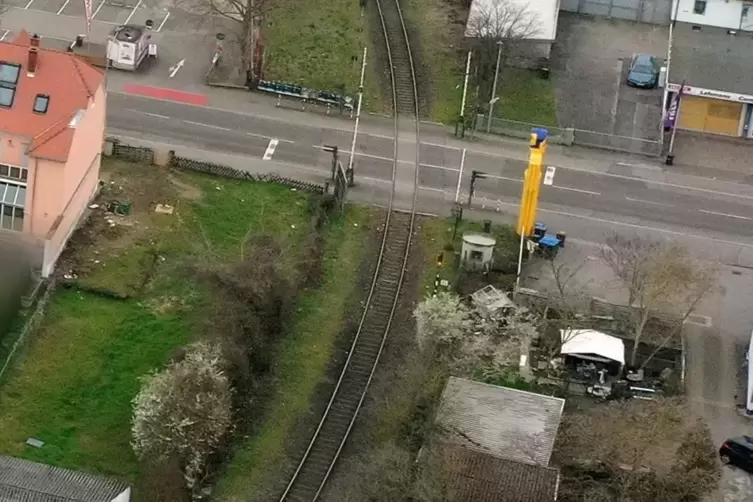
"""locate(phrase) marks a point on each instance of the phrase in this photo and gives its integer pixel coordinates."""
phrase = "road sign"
(549, 175)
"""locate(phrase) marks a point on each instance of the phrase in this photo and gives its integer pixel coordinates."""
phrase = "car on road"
(643, 71)
(738, 452)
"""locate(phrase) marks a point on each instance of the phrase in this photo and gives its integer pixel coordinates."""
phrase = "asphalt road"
(708, 209)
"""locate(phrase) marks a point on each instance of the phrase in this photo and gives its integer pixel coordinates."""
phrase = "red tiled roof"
(65, 78)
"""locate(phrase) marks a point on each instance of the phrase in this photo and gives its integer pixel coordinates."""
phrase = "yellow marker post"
(532, 183)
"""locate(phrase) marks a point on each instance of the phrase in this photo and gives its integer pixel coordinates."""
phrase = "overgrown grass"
(526, 97)
(73, 385)
(438, 31)
(319, 44)
(302, 361)
(73, 388)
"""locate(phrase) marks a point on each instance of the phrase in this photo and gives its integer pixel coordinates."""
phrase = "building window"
(699, 7)
(9, 73)
(41, 102)
(12, 201)
(13, 172)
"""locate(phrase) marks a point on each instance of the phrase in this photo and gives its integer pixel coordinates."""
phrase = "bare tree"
(657, 278)
(500, 21)
(644, 450)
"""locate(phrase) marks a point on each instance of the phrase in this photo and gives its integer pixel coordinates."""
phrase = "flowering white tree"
(442, 321)
(184, 411)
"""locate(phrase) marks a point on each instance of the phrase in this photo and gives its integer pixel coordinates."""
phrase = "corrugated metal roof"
(503, 422)
(26, 481)
(484, 478)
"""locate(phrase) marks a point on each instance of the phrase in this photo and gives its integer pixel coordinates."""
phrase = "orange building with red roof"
(52, 126)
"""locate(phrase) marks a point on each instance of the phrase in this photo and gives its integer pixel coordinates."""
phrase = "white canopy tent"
(593, 345)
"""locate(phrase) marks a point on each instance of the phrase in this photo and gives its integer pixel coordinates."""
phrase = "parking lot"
(590, 65)
(179, 35)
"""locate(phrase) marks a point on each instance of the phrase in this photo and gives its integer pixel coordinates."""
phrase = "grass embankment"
(437, 238)
(319, 44)
(72, 388)
(302, 361)
(526, 97)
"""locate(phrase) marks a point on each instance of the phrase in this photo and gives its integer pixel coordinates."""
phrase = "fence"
(170, 159)
(617, 143)
(569, 136)
(642, 11)
(517, 129)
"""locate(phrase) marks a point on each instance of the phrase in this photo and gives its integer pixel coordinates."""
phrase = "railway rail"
(319, 459)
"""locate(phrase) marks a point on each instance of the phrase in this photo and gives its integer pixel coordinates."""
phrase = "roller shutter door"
(710, 115)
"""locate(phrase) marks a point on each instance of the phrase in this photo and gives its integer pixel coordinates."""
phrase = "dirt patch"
(185, 190)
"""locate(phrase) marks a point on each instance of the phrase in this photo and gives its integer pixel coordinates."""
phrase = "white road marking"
(460, 175)
(174, 69)
(163, 21)
(576, 190)
(208, 126)
(726, 215)
(29, 4)
(61, 8)
(641, 201)
(157, 115)
(262, 136)
(5, 34)
(636, 226)
(128, 19)
(98, 7)
(270, 149)
(431, 189)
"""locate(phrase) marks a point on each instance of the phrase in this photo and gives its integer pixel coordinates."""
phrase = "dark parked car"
(644, 71)
(738, 452)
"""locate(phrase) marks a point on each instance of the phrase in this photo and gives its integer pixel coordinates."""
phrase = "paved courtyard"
(590, 65)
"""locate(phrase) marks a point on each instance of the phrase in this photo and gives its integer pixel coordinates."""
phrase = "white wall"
(719, 13)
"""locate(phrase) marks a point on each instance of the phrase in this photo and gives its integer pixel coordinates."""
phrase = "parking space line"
(101, 4)
(128, 19)
(29, 4)
(270, 149)
(63, 7)
(163, 21)
(5, 34)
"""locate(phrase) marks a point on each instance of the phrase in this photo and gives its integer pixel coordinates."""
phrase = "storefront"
(714, 112)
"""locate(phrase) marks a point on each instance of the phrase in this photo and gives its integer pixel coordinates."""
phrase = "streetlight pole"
(494, 99)
(351, 176)
(461, 120)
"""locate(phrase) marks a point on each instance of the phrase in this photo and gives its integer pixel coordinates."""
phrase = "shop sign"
(708, 93)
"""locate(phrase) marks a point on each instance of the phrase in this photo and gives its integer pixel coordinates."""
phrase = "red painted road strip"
(167, 94)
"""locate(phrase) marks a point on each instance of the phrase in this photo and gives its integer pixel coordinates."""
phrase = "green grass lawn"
(302, 361)
(319, 44)
(73, 384)
(525, 97)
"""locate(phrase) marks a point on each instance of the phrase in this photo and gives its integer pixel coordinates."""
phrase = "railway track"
(319, 459)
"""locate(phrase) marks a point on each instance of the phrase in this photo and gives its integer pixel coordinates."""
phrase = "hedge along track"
(318, 462)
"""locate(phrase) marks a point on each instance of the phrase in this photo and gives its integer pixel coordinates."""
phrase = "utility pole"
(460, 129)
(351, 176)
(494, 98)
(474, 176)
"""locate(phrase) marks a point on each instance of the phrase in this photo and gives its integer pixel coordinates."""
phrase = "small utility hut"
(478, 251)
